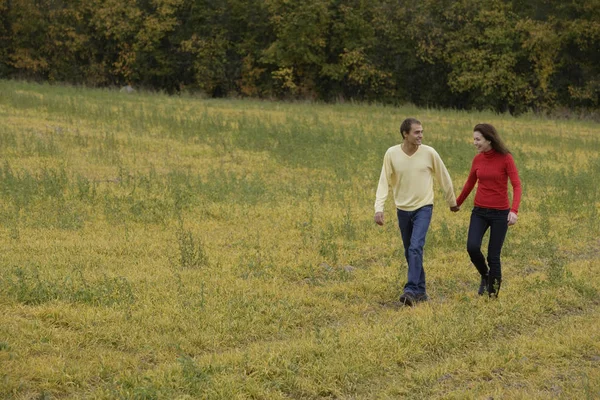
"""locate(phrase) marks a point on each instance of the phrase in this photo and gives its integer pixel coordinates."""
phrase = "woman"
(491, 168)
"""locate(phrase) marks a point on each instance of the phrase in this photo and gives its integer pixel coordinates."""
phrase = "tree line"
(505, 55)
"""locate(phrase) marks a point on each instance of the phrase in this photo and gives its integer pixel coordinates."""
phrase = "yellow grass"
(158, 247)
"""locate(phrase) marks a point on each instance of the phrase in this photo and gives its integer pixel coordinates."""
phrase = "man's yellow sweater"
(411, 178)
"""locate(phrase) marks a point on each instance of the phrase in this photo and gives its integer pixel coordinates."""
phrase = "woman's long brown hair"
(489, 132)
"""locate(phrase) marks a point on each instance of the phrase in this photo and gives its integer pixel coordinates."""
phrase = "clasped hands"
(512, 217)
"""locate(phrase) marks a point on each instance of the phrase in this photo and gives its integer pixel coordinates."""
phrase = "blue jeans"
(413, 228)
(481, 220)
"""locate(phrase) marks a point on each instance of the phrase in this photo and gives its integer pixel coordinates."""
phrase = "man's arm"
(443, 177)
(379, 218)
(383, 188)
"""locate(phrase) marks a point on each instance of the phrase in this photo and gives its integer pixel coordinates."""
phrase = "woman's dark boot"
(483, 285)
(493, 286)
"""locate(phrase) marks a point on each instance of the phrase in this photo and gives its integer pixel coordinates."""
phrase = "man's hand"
(379, 218)
(512, 218)
(455, 208)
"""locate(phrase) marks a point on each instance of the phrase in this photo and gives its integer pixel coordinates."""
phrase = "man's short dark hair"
(407, 124)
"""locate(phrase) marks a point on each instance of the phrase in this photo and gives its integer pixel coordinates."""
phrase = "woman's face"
(481, 144)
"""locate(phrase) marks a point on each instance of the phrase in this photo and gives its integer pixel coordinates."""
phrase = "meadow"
(158, 247)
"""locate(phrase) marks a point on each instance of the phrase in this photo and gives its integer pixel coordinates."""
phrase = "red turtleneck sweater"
(492, 170)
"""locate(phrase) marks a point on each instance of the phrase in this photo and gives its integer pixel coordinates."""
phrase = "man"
(409, 169)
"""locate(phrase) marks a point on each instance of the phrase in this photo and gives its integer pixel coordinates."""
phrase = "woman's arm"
(513, 175)
(469, 185)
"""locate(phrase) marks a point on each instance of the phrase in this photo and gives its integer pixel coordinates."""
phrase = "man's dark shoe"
(407, 299)
(421, 297)
(483, 285)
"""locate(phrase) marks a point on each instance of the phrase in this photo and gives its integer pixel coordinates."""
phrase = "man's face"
(415, 136)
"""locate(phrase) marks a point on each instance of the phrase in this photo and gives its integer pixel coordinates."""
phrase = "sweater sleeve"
(384, 183)
(513, 175)
(443, 177)
(469, 185)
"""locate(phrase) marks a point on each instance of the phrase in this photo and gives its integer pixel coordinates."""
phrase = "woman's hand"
(512, 218)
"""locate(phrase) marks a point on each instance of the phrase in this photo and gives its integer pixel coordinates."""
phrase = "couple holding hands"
(409, 169)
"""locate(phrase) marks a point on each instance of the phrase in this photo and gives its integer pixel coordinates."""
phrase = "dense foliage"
(482, 54)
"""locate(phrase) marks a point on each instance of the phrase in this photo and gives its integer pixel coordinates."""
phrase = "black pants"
(481, 220)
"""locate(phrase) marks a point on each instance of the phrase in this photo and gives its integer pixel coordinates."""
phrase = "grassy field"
(159, 247)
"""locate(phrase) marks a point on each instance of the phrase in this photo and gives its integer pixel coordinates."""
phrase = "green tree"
(578, 80)
(299, 49)
(155, 45)
(5, 39)
(113, 26)
(48, 40)
(354, 67)
(28, 30)
(218, 41)
(494, 57)
(475, 39)
(498, 54)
